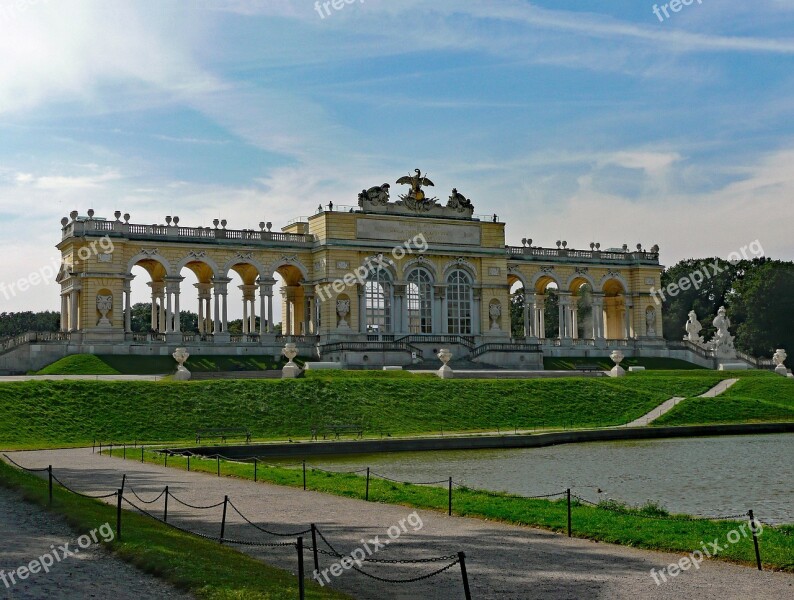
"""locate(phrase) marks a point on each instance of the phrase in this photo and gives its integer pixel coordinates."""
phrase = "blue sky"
(584, 121)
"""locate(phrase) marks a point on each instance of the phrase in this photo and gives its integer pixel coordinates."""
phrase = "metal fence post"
(124, 452)
(218, 460)
(165, 511)
(755, 540)
(314, 549)
(255, 465)
(464, 575)
(223, 520)
(568, 492)
(366, 494)
(304, 475)
(188, 462)
(119, 495)
(301, 582)
(49, 476)
(450, 497)
(141, 454)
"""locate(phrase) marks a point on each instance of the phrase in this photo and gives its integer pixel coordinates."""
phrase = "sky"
(584, 121)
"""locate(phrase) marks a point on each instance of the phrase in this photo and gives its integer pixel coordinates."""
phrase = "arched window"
(419, 293)
(459, 303)
(377, 297)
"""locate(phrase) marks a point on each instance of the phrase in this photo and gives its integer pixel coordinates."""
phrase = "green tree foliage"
(758, 294)
(142, 318)
(12, 324)
(762, 308)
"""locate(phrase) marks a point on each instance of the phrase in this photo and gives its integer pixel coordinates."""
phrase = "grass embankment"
(756, 398)
(39, 414)
(622, 525)
(89, 364)
(201, 567)
(552, 363)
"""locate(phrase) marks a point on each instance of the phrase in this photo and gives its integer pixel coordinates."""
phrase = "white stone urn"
(617, 357)
(445, 372)
(180, 356)
(290, 370)
(343, 309)
(104, 305)
(495, 311)
(779, 359)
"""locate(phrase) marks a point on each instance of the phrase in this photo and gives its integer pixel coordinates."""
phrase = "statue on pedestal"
(722, 344)
(693, 329)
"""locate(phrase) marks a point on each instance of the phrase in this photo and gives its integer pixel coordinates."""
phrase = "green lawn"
(201, 567)
(41, 414)
(551, 363)
(755, 398)
(609, 522)
(111, 364)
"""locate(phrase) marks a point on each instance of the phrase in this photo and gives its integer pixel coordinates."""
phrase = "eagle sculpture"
(416, 182)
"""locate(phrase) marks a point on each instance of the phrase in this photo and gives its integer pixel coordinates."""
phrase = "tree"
(142, 318)
(15, 323)
(761, 308)
(517, 314)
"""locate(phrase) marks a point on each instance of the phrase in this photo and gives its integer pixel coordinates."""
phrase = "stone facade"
(392, 279)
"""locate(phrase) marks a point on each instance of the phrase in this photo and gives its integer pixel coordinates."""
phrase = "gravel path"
(28, 532)
(504, 562)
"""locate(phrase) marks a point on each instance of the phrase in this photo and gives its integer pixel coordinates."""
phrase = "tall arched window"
(419, 293)
(459, 303)
(377, 297)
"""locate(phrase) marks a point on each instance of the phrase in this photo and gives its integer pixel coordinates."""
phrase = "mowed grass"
(638, 527)
(755, 398)
(110, 364)
(201, 567)
(38, 414)
(553, 363)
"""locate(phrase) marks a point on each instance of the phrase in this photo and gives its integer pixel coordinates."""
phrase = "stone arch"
(287, 267)
(540, 280)
(607, 284)
(250, 261)
(460, 264)
(149, 261)
(420, 262)
(514, 275)
(371, 263)
(576, 280)
(212, 268)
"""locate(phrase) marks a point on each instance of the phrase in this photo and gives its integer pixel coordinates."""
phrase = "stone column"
(628, 310)
(539, 323)
(598, 316)
(169, 327)
(127, 306)
(308, 310)
(398, 310)
(219, 288)
(249, 308)
(262, 320)
(73, 303)
(574, 321)
(529, 306)
(64, 317)
(439, 310)
(564, 329)
(476, 311)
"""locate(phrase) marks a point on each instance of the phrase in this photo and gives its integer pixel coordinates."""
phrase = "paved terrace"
(504, 561)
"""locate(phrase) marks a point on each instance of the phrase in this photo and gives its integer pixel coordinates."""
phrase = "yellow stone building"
(383, 282)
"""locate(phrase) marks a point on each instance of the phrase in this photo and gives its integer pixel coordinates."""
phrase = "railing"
(496, 347)
(370, 347)
(298, 339)
(562, 253)
(245, 338)
(9, 344)
(79, 228)
(758, 363)
(430, 338)
(380, 337)
(692, 347)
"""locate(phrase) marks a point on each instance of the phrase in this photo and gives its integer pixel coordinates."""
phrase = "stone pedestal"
(290, 371)
(445, 372)
(733, 366)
